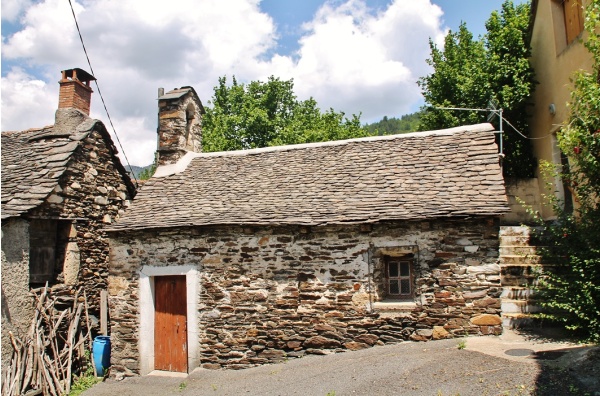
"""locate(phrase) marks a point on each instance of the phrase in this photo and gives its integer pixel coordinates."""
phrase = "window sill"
(394, 305)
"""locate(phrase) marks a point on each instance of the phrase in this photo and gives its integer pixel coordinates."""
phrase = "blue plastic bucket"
(101, 354)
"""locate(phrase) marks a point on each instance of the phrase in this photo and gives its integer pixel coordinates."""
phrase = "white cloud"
(350, 58)
(12, 9)
(355, 61)
(22, 98)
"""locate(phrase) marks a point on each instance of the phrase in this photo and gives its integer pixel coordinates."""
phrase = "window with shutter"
(573, 19)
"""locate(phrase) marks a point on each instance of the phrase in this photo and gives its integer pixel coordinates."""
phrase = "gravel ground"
(505, 365)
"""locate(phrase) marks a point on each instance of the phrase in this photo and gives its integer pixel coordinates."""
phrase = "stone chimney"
(75, 91)
(180, 114)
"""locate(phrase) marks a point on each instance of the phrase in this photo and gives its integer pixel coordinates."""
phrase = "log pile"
(53, 350)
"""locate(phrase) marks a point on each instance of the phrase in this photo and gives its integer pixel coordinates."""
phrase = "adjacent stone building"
(234, 259)
(60, 185)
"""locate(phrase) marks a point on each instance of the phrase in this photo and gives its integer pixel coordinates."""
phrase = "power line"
(503, 119)
(100, 93)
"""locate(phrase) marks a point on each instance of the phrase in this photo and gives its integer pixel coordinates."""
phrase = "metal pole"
(501, 132)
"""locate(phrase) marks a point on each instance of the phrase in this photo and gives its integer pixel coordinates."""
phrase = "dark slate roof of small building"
(34, 160)
(426, 175)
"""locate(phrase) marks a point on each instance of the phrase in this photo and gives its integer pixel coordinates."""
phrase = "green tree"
(261, 114)
(391, 126)
(571, 293)
(473, 73)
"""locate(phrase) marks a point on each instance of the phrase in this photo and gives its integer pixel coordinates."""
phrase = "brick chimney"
(180, 114)
(75, 91)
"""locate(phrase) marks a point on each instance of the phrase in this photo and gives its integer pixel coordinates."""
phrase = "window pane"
(404, 268)
(405, 286)
(393, 269)
(394, 287)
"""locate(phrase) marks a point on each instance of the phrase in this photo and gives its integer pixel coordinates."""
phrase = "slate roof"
(438, 174)
(33, 162)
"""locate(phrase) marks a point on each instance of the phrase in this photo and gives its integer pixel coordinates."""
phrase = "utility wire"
(508, 122)
(100, 94)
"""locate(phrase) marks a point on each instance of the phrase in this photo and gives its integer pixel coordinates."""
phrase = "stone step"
(514, 240)
(519, 306)
(517, 293)
(521, 259)
(520, 275)
(516, 250)
(516, 320)
(515, 231)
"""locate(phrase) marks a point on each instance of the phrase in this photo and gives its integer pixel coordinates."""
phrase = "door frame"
(146, 335)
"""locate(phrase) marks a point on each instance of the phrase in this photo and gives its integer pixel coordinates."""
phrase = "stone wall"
(17, 305)
(91, 194)
(272, 293)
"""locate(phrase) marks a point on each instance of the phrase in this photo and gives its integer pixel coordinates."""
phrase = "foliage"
(260, 114)
(572, 292)
(86, 380)
(148, 171)
(392, 126)
(473, 73)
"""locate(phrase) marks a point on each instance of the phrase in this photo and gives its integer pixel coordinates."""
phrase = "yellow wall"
(554, 62)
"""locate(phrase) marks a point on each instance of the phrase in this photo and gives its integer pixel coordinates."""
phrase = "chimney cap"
(78, 74)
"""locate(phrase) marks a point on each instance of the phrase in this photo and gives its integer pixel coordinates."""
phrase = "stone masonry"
(275, 292)
(69, 177)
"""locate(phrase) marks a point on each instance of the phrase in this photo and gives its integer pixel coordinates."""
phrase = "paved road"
(487, 366)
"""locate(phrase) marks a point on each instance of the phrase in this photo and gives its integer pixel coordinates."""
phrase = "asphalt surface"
(505, 365)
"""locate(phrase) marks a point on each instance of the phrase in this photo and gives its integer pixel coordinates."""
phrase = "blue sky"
(356, 56)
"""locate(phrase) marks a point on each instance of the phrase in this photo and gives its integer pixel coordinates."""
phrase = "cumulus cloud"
(27, 102)
(350, 57)
(12, 9)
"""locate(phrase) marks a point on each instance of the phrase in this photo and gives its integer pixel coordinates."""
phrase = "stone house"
(234, 259)
(60, 185)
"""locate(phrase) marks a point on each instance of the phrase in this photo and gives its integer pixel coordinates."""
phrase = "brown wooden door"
(170, 323)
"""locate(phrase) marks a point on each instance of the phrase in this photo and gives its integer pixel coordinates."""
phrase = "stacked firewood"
(45, 360)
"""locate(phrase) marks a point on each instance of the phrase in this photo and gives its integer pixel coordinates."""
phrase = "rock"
(370, 339)
(439, 333)
(486, 320)
(318, 342)
(101, 200)
(324, 327)
(294, 344)
(355, 346)
(272, 354)
(491, 269)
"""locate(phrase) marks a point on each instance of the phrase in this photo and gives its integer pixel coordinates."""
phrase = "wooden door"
(170, 323)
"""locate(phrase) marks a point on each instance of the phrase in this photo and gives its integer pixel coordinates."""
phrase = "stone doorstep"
(171, 374)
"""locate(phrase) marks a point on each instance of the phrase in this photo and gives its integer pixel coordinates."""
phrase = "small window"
(399, 278)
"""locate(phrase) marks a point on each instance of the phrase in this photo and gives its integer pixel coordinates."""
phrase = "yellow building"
(557, 52)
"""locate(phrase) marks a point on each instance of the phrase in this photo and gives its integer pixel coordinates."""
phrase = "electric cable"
(100, 94)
